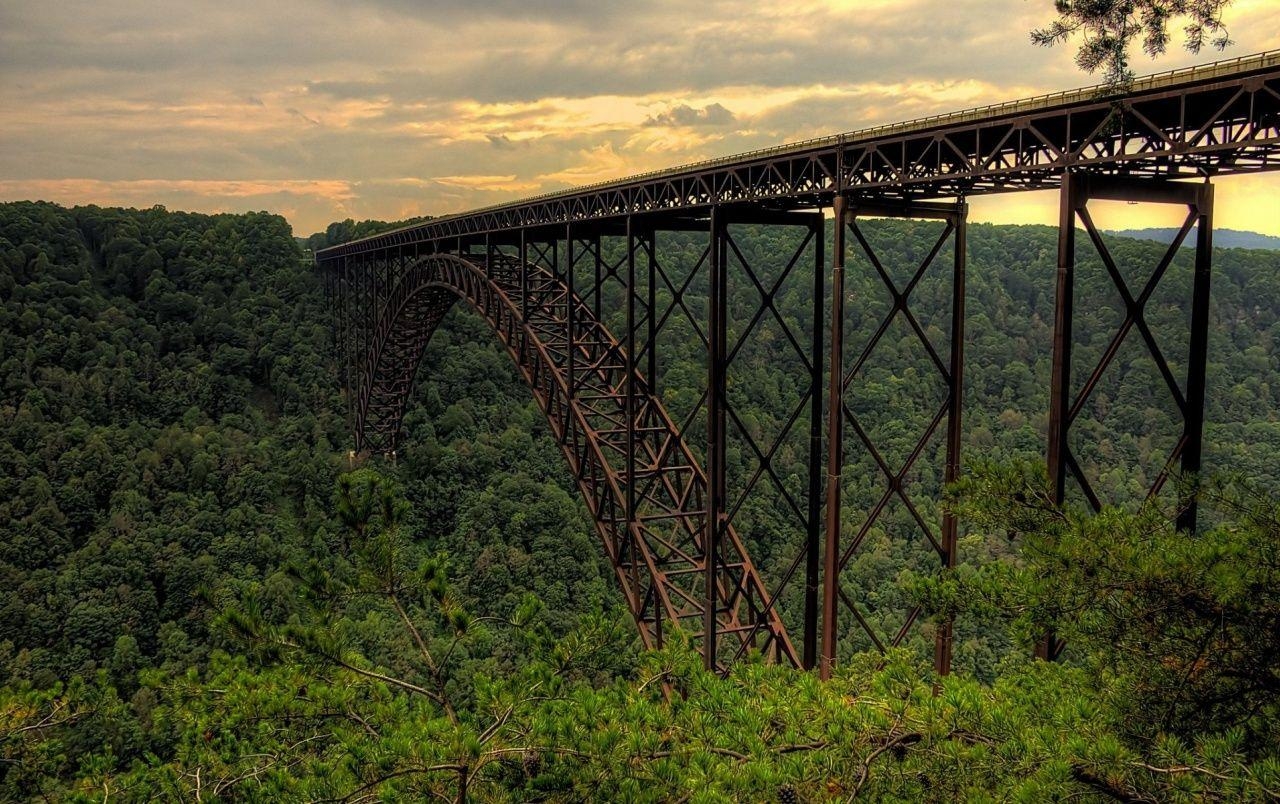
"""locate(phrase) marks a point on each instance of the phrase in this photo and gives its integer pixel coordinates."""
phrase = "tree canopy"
(1109, 28)
(202, 598)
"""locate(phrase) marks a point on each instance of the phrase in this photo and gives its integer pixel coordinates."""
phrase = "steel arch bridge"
(546, 272)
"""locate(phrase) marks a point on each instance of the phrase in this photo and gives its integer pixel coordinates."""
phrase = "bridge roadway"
(537, 271)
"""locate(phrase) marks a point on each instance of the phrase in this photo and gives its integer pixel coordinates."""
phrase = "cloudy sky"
(385, 109)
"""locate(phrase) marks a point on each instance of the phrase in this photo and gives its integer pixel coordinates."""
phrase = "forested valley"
(204, 597)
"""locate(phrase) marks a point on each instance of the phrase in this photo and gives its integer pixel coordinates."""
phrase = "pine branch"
(901, 741)
(440, 697)
(1100, 785)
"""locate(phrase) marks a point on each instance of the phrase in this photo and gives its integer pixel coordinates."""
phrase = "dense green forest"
(203, 598)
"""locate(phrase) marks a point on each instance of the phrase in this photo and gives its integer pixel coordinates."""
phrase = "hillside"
(1222, 238)
(199, 599)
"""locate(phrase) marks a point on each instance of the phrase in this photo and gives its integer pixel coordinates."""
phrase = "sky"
(322, 110)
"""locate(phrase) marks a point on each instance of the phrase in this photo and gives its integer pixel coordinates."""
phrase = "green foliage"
(1184, 624)
(195, 603)
(165, 425)
(1108, 27)
(341, 232)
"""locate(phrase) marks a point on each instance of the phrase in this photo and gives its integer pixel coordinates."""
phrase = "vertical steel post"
(397, 271)
(955, 406)
(569, 311)
(351, 336)
(1048, 647)
(382, 286)
(488, 255)
(813, 537)
(1060, 372)
(649, 236)
(344, 337)
(366, 273)
(362, 341)
(599, 266)
(524, 275)
(652, 315)
(717, 303)
(835, 444)
(630, 382)
(1198, 356)
(360, 354)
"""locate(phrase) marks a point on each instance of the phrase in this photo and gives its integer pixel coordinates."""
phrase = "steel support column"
(1066, 404)
(841, 416)
(835, 444)
(598, 290)
(1198, 354)
(629, 343)
(642, 452)
(651, 318)
(717, 333)
(345, 358)
(524, 275)
(571, 308)
(950, 525)
(814, 531)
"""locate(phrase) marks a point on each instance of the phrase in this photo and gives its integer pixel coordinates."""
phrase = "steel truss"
(1078, 190)
(836, 597)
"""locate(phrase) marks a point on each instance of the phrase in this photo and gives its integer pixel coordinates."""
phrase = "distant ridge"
(1222, 238)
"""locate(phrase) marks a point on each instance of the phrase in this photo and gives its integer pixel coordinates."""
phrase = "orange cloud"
(105, 191)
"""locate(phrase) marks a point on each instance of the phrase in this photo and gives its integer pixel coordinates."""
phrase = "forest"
(204, 597)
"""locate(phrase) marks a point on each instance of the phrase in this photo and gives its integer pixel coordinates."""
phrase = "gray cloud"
(564, 12)
(712, 114)
(502, 142)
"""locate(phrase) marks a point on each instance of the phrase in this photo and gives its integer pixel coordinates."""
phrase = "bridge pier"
(741, 306)
(841, 416)
(1065, 406)
(717, 339)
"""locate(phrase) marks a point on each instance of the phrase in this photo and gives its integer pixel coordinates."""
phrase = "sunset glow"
(383, 109)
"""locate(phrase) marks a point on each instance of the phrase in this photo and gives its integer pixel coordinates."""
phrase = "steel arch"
(654, 531)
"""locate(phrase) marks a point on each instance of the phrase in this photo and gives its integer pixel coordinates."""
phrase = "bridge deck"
(1213, 119)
